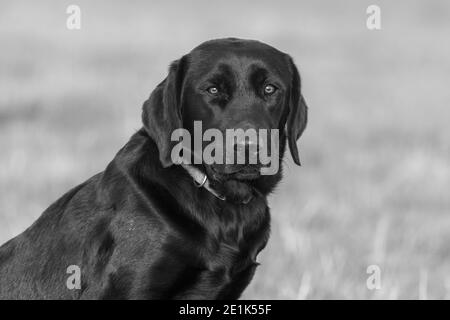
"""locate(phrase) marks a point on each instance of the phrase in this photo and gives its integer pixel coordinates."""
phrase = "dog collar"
(201, 180)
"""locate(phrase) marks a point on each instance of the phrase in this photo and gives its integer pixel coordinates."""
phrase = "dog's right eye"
(213, 90)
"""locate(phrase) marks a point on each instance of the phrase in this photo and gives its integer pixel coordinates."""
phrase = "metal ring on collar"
(199, 185)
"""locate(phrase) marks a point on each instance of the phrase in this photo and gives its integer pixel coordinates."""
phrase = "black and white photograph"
(249, 151)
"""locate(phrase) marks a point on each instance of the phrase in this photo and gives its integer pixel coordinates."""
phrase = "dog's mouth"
(233, 172)
(247, 175)
(234, 182)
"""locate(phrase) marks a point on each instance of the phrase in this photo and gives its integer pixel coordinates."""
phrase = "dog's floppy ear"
(161, 113)
(298, 113)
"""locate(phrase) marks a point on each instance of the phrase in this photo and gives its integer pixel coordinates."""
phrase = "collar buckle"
(200, 179)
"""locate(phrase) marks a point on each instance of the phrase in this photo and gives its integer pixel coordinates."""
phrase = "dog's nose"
(247, 146)
(247, 151)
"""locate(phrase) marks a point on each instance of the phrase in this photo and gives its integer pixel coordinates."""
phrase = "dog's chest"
(219, 260)
(230, 260)
(238, 232)
(234, 247)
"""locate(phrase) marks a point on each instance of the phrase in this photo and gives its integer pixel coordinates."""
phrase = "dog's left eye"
(213, 90)
(269, 89)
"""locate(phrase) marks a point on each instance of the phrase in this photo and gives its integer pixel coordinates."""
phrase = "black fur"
(141, 229)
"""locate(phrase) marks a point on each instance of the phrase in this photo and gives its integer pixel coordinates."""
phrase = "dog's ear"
(162, 114)
(298, 113)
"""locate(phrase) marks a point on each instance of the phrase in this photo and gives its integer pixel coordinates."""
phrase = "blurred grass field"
(374, 185)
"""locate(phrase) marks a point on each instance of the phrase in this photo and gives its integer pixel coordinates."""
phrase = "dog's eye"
(269, 89)
(213, 90)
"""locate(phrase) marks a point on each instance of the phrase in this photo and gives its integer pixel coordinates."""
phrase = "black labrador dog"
(147, 228)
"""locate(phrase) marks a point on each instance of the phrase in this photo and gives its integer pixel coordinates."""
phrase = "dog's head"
(224, 85)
